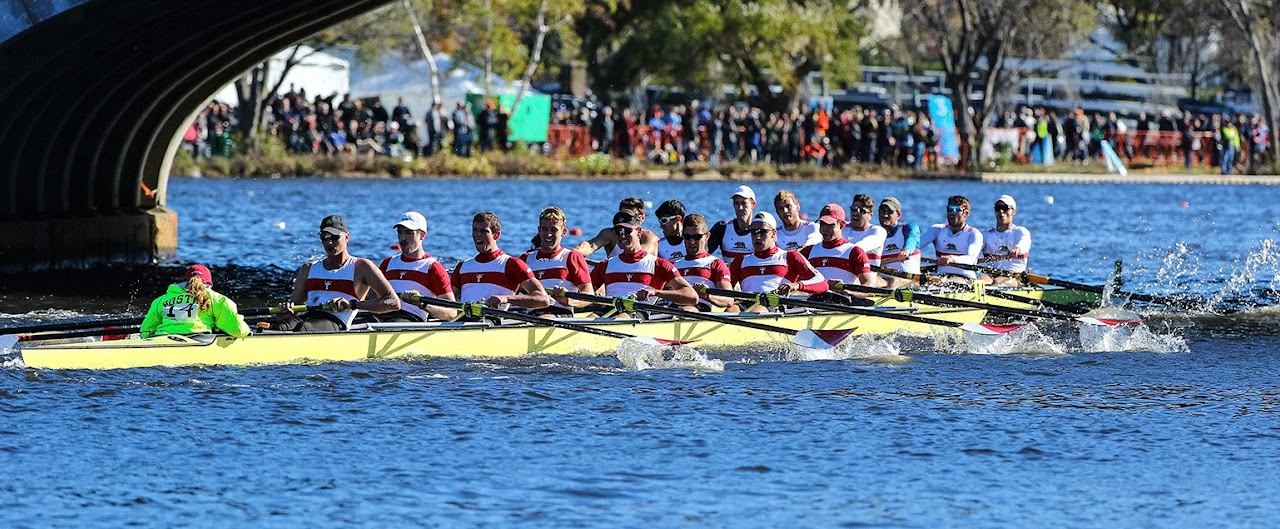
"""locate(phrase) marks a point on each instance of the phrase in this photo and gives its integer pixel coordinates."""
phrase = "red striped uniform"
(703, 269)
(325, 285)
(489, 274)
(560, 268)
(627, 274)
(765, 272)
(840, 260)
(426, 275)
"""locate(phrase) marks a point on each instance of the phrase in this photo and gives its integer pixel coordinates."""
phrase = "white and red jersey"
(871, 240)
(896, 243)
(838, 260)
(671, 251)
(426, 275)
(559, 268)
(964, 246)
(1002, 242)
(489, 274)
(703, 269)
(614, 250)
(732, 243)
(765, 272)
(800, 238)
(325, 285)
(629, 273)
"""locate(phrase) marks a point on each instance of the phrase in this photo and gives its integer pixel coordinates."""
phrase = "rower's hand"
(410, 295)
(339, 304)
(645, 294)
(288, 307)
(786, 288)
(701, 290)
(943, 260)
(558, 294)
(495, 302)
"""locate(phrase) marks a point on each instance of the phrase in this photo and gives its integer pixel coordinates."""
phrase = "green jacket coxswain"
(176, 312)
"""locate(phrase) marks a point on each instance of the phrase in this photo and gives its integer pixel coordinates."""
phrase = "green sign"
(529, 124)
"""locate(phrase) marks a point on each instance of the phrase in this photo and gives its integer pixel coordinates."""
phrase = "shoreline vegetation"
(520, 162)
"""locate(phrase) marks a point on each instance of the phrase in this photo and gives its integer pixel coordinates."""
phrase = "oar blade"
(7, 341)
(1109, 322)
(821, 339)
(658, 342)
(990, 329)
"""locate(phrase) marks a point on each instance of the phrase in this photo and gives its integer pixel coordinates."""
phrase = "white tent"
(319, 73)
(397, 78)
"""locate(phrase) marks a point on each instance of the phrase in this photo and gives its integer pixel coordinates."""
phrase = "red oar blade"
(1107, 321)
(824, 339)
(674, 342)
(659, 342)
(989, 329)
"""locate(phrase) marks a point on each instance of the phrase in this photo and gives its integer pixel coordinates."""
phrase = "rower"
(557, 267)
(492, 276)
(671, 220)
(733, 236)
(193, 308)
(956, 241)
(837, 259)
(1006, 246)
(608, 240)
(901, 243)
(701, 269)
(340, 281)
(794, 233)
(636, 272)
(416, 273)
(861, 231)
(771, 269)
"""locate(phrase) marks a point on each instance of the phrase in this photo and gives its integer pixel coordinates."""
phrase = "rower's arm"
(442, 313)
(590, 246)
(678, 291)
(386, 299)
(723, 302)
(299, 295)
(534, 297)
(649, 241)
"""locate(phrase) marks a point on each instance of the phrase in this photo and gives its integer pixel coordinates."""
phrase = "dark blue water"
(1176, 431)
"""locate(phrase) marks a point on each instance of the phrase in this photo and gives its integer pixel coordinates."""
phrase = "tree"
(975, 38)
(1168, 36)
(1259, 22)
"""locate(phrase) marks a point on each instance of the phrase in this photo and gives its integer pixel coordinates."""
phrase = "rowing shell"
(452, 339)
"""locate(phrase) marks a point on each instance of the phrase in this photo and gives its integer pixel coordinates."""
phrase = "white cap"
(745, 192)
(766, 218)
(413, 220)
(1008, 200)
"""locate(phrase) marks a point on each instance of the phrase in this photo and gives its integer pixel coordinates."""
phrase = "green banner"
(529, 124)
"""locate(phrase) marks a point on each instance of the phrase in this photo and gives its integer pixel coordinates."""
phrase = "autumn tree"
(1259, 23)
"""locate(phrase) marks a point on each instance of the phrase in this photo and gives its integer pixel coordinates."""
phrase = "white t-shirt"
(805, 235)
(1002, 242)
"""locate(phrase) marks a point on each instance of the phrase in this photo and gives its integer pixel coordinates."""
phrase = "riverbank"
(521, 163)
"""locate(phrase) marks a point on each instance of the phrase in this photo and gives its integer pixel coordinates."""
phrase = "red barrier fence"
(1156, 148)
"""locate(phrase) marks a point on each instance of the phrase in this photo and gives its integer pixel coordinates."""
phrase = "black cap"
(334, 224)
(626, 218)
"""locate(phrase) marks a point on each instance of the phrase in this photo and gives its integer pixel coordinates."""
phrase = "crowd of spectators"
(680, 133)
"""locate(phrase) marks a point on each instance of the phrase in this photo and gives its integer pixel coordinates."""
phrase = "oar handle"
(478, 307)
(775, 299)
(110, 322)
(909, 296)
(77, 334)
(631, 305)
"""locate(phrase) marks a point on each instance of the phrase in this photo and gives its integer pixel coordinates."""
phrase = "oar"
(924, 278)
(1028, 277)
(7, 341)
(810, 338)
(79, 329)
(775, 299)
(908, 296)
(481, 310)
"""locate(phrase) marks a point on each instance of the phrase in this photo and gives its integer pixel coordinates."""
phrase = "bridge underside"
(98, 96)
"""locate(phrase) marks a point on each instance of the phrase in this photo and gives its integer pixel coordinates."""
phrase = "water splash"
(1029, 340)
(864, 347)
(1240, 287)
(638, 356)
(1129, 338)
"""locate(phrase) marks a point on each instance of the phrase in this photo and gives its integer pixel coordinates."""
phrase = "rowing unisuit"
(630, 272)
(995, 242)
(733, 244)
(838, 260)
(964, 246)
(671, 251)
(563, 268)
(425, 275)
(324, 285)
(903, 238)
(800, 238)
(765, 272)
(871, 240)
(489, 274)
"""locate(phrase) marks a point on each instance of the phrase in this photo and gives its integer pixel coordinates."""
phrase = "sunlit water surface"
(1173, 424)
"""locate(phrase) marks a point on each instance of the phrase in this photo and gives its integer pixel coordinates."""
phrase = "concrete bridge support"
(98, 94)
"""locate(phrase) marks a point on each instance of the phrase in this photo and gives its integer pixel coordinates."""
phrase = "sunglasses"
(694, 236)
(665, 220)
(954, 209)
(861, 211)
(623, 230)
(1002, 207)
(761, 232)
(329, 237)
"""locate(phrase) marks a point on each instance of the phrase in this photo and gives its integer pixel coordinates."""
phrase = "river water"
(1174, 425)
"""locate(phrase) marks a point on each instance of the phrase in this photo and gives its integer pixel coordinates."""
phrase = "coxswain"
(671, 220)
(701, 269)
(638, 273)
(608, 240)
(837, 259)
(557, 267)
(492, 276)
(334, 289)
(1006, 246)
(770, 269)
(794, 233)
(901, 243)
(193, 307)
(955, 242)
(733, 236)
(416, 273)
(861, 231)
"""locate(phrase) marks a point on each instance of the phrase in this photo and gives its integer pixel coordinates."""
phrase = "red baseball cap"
(833, 214)
(202, 272)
